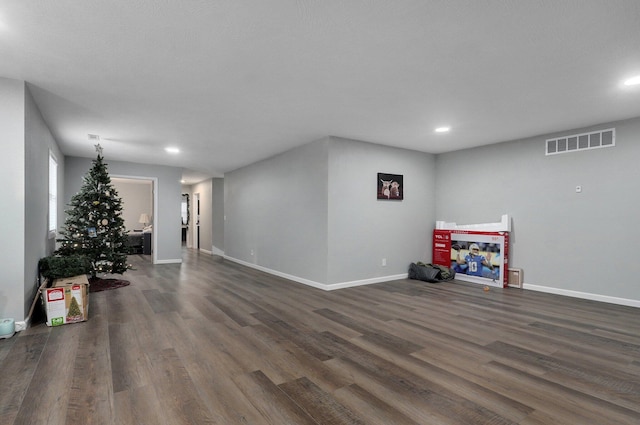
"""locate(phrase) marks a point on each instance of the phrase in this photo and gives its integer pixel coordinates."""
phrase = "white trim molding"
(369, 281)
(169, 261)
(217, 251)
(323, 286)
(583, 295)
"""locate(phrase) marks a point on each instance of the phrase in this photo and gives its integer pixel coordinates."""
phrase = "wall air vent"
(579, 142)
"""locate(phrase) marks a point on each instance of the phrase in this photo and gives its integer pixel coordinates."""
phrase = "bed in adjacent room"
(135, 241)
(140, 240)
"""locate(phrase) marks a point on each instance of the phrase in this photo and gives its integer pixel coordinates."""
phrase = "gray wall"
(167, 219)
(38, 242)
(218, 216)
(311, 213)
(362, 229)
(24, 194)
(276, 213)
(12, 196)
(577, 242)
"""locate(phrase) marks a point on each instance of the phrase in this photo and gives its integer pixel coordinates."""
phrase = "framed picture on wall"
(390, 187)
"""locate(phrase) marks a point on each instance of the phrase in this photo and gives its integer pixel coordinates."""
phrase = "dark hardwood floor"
(212, 342)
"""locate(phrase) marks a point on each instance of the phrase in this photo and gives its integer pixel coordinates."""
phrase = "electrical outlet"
(384, 262)
(252, 252)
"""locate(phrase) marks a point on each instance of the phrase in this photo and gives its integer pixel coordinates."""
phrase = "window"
(53, 194)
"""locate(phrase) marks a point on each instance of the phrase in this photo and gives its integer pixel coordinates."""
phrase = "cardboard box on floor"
(67, 300)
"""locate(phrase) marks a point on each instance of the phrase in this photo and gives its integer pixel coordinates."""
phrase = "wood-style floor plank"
(210, 341)
(140, 406)
(17, 370)
(49, 391)
(318, 404)
(273, 404)
(376, 410)
(176, 392)
(91, 392)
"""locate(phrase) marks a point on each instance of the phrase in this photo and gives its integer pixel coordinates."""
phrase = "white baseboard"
(341, 285)
(369, 281)
(214, 251)
(583, 295)
(323, 286)
(169, 261)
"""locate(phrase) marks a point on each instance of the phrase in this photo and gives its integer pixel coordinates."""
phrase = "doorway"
(196, 207)
(139, 204)
(185, 209)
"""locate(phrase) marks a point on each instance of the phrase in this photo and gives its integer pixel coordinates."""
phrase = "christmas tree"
(74, 310)
(94, 227)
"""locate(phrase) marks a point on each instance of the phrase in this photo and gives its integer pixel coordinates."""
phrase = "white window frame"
(53, 195)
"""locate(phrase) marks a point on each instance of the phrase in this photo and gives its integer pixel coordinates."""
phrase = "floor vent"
(580, 142)
(515, 278)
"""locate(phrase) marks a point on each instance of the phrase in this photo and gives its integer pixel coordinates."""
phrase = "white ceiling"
(234, 81)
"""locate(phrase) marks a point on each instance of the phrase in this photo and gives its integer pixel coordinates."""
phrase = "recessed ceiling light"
(634, 81)
(172, 150)
(442, 129)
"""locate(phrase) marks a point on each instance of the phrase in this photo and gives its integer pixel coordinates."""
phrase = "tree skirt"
(98, 284)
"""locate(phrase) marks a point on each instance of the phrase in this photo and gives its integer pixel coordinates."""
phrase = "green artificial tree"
(57, 266)
(94, 227)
